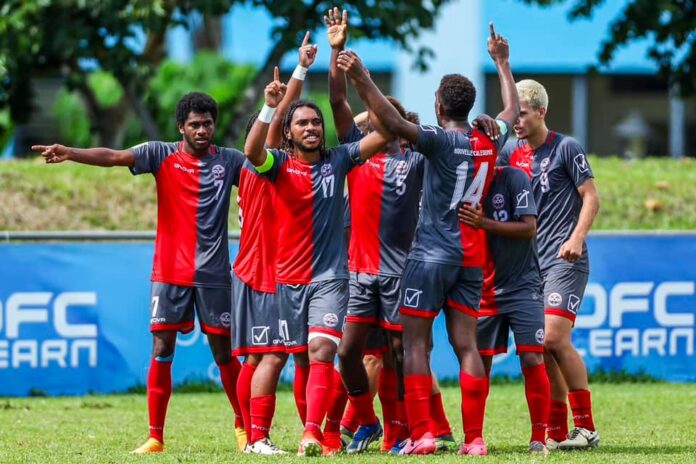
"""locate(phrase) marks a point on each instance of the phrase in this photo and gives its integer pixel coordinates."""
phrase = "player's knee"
(555, 343)
(163, 347)
(275, 361)
(462, 345)
(528, 359)
(322, 348)
(221, 357)
(348, 350)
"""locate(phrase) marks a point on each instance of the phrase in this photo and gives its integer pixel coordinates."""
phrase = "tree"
(669, 24)
(125, 38)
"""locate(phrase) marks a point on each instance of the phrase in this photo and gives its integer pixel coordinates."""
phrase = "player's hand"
(53, 153)
(471, 215)
(337, 28)
(308, 52)
(571, 250)
(498, 46)
(488, 125)
(349, 62)
(275, 91)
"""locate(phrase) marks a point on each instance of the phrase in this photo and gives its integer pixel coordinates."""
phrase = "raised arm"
(499, 49)
(337, 31)
(104, 157)
(375, 101)
(307, 55)
(371, 144)
(254, 147)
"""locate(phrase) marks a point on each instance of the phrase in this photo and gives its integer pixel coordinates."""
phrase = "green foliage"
(71, 119)
(667, 24)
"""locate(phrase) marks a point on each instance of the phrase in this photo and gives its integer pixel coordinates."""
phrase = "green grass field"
(649, 194)
(639, 423)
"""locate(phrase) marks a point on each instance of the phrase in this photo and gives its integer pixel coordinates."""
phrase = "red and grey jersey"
(511, 263)
(193, 203)
(558, 168)
(459, 167)
(255, 262)
(384, 196)
(309, 214)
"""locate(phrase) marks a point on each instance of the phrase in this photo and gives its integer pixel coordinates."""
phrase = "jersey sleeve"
(521, 193)
(354, 135)
(348, 154)
(271, 167)
(431, 141)
(575, 161)
(236, 161)
(505, 152)
(149, 156)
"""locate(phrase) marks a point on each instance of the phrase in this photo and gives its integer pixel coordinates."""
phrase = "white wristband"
(266, 114)
(299, 73)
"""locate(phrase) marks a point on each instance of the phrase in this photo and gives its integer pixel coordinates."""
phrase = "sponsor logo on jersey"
(183, 168)
(573, 303)
(555, 299)
(539, 335)
(412, 297)
(523, 199)
(225, 319)
(498, 201)
(295, 171)
(581, 162)
(218, 171)
(259, 335)
(330, 319)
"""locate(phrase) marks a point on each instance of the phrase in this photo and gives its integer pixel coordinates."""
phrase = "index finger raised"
(305, 41)
(276, 74)
(491, 28)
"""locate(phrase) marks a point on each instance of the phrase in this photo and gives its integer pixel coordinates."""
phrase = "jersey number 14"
(475, 191)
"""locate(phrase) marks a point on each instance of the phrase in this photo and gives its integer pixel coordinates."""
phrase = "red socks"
(244, 394)
(474, 394)
(395, 427)
(538, 392)
(262, 410)
(581, 404)
(228, 376)
(350, 418)
(417, 399)
(558, 421)
(364, 408)
(299, 388)
(439, 425)
(159, 389)
(339, 398)
(319, 390)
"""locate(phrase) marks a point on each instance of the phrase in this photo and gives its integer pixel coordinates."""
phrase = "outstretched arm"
(104, 157)
(373, 98)
(308, 53)
(338, 95)
(499, 49)
(254, 147)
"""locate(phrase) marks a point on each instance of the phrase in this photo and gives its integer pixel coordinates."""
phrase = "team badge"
(498, 201)
(326, 170)
(545, 164)
(330, 319)
(555, 299)
(218, 171)
(523, 199)
(539, 335)
(225, 319)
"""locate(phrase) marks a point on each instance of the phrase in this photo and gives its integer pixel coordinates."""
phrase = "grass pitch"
(638, 423)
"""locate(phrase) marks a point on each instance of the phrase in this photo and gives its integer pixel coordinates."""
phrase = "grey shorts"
(308, 311)
(172, 308)
(563, 290)
(374, 300)
(426, 288)
(256, 321)
(524, 315)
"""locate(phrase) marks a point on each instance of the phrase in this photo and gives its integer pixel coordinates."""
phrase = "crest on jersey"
(326, 170)
(330, 319)
(218, 171)
(523, 199)
(539, 335)
(498, 201)
(401, 167)
(555, 299)
(545, 164)
(581, 162)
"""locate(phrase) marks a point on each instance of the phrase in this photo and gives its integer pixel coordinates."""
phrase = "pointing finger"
(345, 17)
(276, 74)
(491, 28)
(305, 41)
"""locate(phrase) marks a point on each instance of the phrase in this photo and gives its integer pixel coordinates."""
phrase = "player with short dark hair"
(444, 266)
(567, 202)
(511, 285)
(191, 270)
(257, 333)
(311, 269)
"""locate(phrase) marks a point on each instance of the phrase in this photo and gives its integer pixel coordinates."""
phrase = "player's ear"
(180, 127)
(542, 112)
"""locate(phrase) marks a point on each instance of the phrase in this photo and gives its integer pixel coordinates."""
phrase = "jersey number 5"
(475, 191)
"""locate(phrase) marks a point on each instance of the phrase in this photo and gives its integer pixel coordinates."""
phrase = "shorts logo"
(218, 171)
(326, 170)
(545, 164)
(330, 319)
(412, 297)
(259, 335)
(523, 199)
(555, 299)
(539, 335)
(498, 201)
(225, 319)
(581, 162)
(573, 303)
